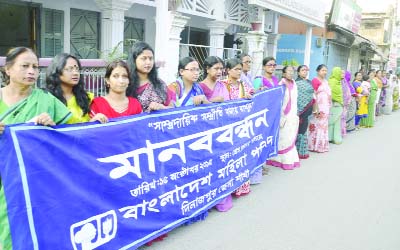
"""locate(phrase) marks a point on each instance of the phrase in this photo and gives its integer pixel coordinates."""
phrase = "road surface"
(347, 199)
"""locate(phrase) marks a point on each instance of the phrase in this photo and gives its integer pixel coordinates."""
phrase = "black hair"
(53, 82)
(267, 59)
(321, 66)
(365, 77)
(12, 54)
(378, 71)
(285, 69)
(136, 50)
(183, 62)
(370, 71)
(243, 55)
(355, 74)
(231, 63)
(111, 66)
(301, 67)
(211, 61)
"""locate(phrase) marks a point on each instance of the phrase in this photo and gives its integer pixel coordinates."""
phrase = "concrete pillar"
(170, 70)
(307, 49)
(256, 42)
(112, 23)
(217, 34)
(163, 25)
(169, 25)
(272, 45)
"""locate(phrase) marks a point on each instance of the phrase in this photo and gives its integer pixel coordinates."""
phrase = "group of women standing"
(313, 112)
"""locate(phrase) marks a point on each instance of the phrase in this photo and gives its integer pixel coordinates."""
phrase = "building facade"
(93, 29)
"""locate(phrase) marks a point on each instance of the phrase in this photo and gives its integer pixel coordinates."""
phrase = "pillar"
(217, 34)
(173, 47)
(256, 42)
(112, 23)
(169, 25)
(307, 49)
(272, 45)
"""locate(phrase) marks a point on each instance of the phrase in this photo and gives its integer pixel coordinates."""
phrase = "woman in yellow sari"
(64, 81)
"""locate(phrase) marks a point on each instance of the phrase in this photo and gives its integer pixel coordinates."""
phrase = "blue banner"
(121, 184)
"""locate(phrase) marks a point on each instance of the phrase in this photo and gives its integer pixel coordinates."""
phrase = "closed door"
(133, 32)
(85, 31)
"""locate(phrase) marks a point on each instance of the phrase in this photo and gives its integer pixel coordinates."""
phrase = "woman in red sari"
(115, 103)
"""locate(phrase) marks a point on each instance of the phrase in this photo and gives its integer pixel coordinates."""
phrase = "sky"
(367, 5)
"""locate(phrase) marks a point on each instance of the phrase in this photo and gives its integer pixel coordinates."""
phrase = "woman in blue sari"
(188, 92)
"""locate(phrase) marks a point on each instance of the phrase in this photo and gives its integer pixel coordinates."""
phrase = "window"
(133, 31)
(52, 32)
(85, 34)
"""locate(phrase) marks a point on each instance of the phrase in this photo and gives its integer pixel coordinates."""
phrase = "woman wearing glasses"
(268, 80)
(238, 89)
(213, 88)
(64, 81)
(186, 88)
(20, 102)
(246, 76)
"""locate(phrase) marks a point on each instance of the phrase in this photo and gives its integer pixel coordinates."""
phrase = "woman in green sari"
(19, 103)
(369, 121)
(335, 82)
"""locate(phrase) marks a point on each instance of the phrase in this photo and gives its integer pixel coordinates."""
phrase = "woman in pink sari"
(318, 139)
(213, 88)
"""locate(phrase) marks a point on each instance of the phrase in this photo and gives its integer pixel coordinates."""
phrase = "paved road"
(347, 199)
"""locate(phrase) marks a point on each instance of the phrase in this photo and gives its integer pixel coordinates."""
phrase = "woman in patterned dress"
(318, 138)
(305, 101)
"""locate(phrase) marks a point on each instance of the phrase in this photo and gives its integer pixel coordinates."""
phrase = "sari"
(219, 90)
(246, 78)
(38, 102)
(379, 84)
(382, 97)
(262, 81)
(318, 139)
(335, 125)
(369, 121)
(395, 95)
(183, 99)
(347, 97)
(362, 104)
(76, 110)
(147, 94)
(288, 157)
(388, 107)
(352, 106)
(101, 105)
(237, 92)
(305, 101)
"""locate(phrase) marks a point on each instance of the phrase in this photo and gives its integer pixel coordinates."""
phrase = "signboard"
(346, 14)
(308, 11)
